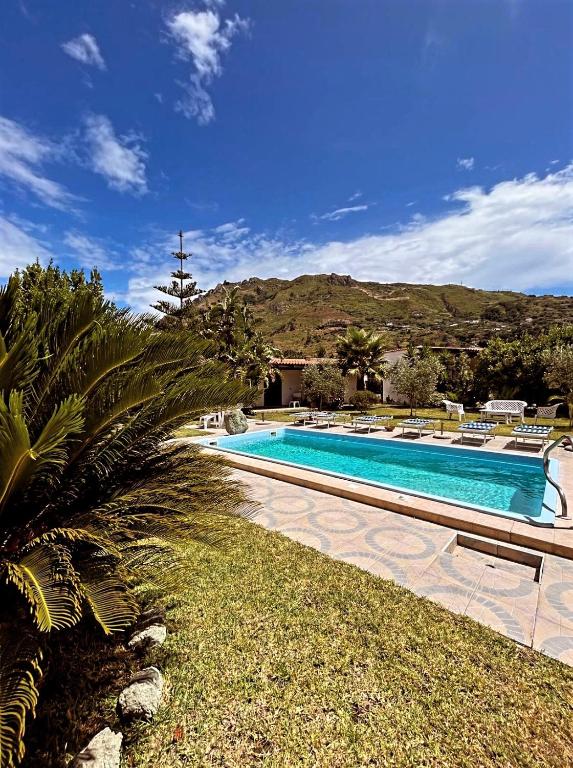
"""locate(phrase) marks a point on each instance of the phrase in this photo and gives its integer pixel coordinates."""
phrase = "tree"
(512, 369)
(182, 288)
(230, 325)
(559, 374)
(416, 379)
(458, 378)
(91, 496)
(361, 353)
(323, 383)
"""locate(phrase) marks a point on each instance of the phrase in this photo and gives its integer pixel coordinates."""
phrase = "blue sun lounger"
(531, 432)
(484, 428)
(417, 425)
(369, 422)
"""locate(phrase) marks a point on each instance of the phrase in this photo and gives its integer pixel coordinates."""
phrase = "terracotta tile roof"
(298, 362)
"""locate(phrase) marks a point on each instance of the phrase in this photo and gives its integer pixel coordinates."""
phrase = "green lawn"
(561, 425)
(189, 431)
(279, 656)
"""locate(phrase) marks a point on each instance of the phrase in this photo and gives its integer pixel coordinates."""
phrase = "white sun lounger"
(484, 428)
(417, 425)
(304, 417)
(325, 417)
(369, 422)
(532, 432)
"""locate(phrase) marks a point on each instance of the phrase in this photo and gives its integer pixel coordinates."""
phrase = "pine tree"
(182, 288)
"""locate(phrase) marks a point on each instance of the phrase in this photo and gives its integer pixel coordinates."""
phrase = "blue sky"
(400, 140)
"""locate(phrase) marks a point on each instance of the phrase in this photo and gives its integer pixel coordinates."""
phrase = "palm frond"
(20, 658)
(45, 577)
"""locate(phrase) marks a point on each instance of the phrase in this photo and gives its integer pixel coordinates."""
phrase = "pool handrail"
(550, 480)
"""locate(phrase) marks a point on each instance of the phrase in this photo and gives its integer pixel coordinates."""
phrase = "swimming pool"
(508, 485)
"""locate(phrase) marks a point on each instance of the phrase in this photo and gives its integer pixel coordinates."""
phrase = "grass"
(561, 426)
(189, 431)
(279, 656)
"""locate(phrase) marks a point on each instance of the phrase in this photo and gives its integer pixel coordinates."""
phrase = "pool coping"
(553, 540)
(549, 501)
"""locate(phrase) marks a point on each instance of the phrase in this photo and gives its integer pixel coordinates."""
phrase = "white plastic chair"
(457, 408)
(547, 411)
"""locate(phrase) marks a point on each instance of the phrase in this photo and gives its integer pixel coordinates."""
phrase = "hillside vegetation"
(305, 315)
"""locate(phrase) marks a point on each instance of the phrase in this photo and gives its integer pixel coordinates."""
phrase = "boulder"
(141, 699)
(235, 422)
(103, 751)
(147, 638)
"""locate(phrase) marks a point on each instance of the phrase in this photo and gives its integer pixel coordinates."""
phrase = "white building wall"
(388, 391)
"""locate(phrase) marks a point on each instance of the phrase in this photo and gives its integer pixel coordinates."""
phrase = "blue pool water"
(514, 486)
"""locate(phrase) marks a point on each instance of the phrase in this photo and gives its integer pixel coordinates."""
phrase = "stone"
(141, 699)
(147, 638)
(235, 422)
(103, 751)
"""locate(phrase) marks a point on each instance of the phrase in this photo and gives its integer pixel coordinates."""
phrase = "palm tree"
(361, 353)
(230, 324)
(90, 492)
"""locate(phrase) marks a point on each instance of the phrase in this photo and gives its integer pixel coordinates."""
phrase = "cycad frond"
(20, 672)
(47, 580)
(18, 459)
(113, 607)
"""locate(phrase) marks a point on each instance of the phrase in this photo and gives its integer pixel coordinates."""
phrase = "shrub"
(364, 399)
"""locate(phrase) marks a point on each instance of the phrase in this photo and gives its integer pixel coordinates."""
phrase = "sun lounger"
(417, 425)
(484, 428)
(369, 422)
(304, 417)
(325, 417)
(531, 432)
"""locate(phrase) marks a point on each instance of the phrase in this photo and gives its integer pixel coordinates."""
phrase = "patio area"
(532, 605)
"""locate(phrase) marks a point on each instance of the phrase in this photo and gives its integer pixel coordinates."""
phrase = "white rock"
(148, 637)
(141, 699)
(103, 751)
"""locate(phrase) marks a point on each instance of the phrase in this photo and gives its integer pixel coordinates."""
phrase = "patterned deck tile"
(553, 639)
(512, 591)
(385, 567)
(505, 619)
(463, 573)
(410, 545)
(447, 593)
(556, 602)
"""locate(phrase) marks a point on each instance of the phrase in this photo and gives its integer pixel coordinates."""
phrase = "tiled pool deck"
(411, 553)
(375, 530)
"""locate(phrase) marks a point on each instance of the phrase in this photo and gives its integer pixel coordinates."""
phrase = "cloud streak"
(22, 158)
(84, 48)
(202, 37)
(120, 160)
(340, 213)
(465, 163)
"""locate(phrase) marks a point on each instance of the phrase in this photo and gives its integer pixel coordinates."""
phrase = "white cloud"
(91, 252)
(356, 196)
(18, 246)
(340, 213)
(22, 156)
(120, 160)
(517, 235)
(85, 49)
(465, 163)
(202, 37)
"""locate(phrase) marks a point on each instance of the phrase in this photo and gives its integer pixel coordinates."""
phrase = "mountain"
(305, 315)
